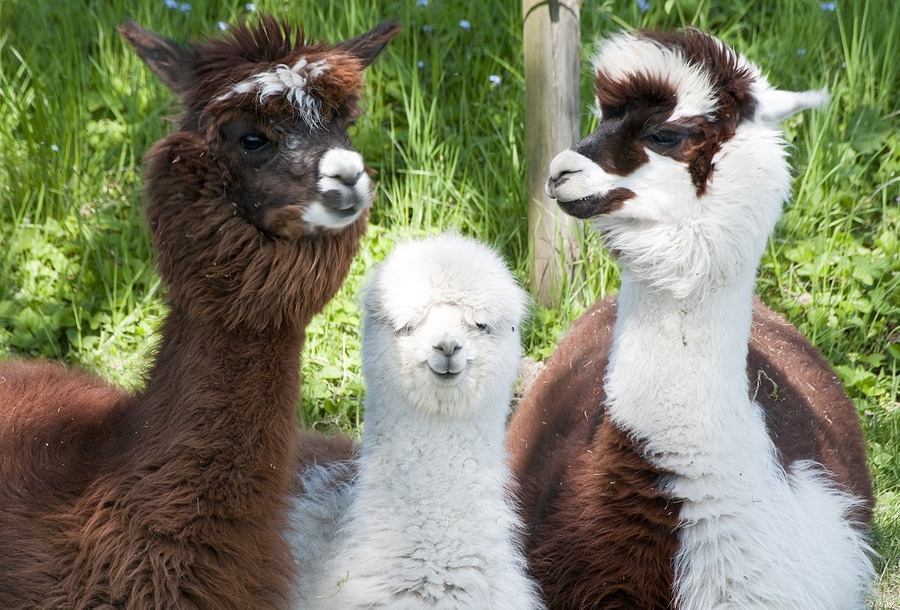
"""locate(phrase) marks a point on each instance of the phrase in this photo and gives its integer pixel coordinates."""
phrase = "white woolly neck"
(428, 441)
(430, 499)
(677, 375)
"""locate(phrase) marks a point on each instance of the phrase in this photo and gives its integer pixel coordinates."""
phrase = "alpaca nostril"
(558, 179)
(552, 184)
(448, 347)
(348, 179)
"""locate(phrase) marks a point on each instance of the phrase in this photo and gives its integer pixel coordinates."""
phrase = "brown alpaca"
(175, 497)
(661, 464)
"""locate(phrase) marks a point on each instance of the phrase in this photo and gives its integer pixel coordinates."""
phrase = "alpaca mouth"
(342, 202)
(320, 215)
(596, 205)
(448, 376)
(347, 212)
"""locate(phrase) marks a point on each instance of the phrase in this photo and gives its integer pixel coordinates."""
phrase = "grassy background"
(444, 131)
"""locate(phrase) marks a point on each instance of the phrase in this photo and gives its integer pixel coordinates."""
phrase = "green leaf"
(329, 371)
(866, 130)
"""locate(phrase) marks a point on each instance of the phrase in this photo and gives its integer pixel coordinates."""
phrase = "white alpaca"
(427, 521)
(685, 178)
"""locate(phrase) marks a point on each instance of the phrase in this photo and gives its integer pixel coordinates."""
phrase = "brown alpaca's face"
(269, 113)
(289, 179)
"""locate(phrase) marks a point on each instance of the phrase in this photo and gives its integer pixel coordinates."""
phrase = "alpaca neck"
(677, 376)
(418, 457)
(218, 414)
(429, 511)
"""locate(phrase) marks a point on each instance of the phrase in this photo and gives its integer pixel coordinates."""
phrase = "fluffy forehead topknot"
(272, 63)
(448, 269)
(699, 70)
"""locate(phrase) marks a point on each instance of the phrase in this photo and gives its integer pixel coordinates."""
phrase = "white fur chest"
(428, 526)
(751, 535)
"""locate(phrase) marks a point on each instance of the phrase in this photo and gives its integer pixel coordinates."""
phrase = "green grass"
(77, 111)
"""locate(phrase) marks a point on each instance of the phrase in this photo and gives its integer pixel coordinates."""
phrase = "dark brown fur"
(175, 497)
(600, 533)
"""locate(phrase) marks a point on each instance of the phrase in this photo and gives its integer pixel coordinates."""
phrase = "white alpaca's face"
(443, 361)
(442, 325)
(684, 175)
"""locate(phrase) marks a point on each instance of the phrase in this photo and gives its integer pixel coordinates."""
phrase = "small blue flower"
(801, 52)
(184, 7)
(223, 26)
(54, 148)
(421, 64)
(464, 24)
(426, 29)
(250, 6)
(495, 80)
(643, 5)
(171, 4)
(827, 6)
(421, 2)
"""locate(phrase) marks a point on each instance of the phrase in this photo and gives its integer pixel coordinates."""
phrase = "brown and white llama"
(662, 465)
(175, 497)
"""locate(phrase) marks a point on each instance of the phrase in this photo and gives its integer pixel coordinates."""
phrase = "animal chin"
(596, 205)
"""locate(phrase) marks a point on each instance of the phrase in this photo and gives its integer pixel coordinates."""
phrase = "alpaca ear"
(166, 58)
(369, 45)
(773, 105)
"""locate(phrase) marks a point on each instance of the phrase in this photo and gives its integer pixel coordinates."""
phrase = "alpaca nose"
(343, 166)
(448, 347)
(554, 182)
(344, 186)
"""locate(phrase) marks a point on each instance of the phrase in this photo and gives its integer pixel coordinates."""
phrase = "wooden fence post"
(552, 43)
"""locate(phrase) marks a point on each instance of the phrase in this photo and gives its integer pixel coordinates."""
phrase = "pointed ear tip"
(778, 104)
(131, 30)
(389, 27)
(127, 27)
(814, 98)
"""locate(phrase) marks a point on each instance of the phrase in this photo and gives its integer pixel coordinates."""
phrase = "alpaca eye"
(406, 330)
(665, 138)
(483, 328)
(253, 142)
